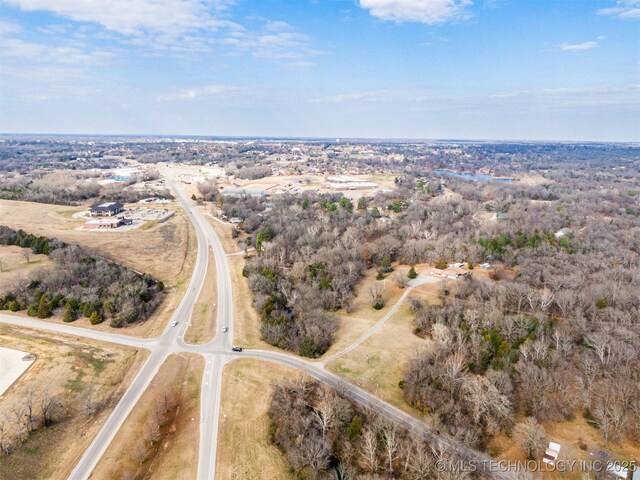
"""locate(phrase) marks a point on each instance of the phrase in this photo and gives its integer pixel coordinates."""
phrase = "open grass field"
(174, 453)
(244, 451)
(379, 363)
(363, 316)
(14, 267)
(85, 376)
(165, 250)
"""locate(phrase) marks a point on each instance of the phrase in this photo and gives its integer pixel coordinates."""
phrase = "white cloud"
(133, 17)
(573, 47)
(626, 9)
(281, 43)
(204, 91)
(423, 11)
(576, 47)
(9, 28)
(63, 54)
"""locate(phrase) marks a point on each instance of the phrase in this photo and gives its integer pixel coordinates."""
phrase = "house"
(110, 209)
(485, 266)
(106, 223)
(450, 272)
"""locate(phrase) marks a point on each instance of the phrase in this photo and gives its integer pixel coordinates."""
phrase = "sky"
(418, 69)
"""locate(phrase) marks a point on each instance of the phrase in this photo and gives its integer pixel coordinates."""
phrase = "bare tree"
(3, 264)
(29, 402)
(419, 461)
(369, 450)
(531, 437)
(49, 407)
(140, 451)
(26, 254)
(377, 300)
(400, 280)
(314, 454)
(391, 444)
(324, 411)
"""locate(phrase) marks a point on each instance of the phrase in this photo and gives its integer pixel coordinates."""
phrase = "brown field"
(68, 368)
(352, 325)
(175, 454)
(202, 327)
(165, 250)
(244, 451)
(379, 363)
(15, 266)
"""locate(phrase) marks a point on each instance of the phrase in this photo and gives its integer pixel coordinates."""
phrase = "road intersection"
(217, 353)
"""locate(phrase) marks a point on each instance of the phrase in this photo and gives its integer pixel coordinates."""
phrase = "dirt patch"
(87, 378)
(244, 450)
(159, 438)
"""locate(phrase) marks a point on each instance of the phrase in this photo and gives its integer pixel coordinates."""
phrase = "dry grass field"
(244, 451)
(71, 369)
(202, 327)
(164, 250)
(174, 454)
(15, 267)
(379, 363)
(362, 317)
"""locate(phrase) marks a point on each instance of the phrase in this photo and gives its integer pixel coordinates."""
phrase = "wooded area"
(80, 284)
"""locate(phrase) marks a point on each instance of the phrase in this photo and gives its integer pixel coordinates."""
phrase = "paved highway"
(216, 354)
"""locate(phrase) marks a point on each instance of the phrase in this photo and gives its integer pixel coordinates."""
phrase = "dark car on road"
(237, 349)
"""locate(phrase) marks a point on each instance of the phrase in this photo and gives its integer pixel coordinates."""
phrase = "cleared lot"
(13, 364)
(85, 378)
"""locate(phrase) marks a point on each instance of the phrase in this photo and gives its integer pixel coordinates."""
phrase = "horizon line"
(332, 139)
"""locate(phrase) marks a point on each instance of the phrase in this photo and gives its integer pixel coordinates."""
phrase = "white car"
(174, 323)
(225, 329)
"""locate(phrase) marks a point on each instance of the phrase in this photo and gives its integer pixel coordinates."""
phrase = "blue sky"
(467, 69)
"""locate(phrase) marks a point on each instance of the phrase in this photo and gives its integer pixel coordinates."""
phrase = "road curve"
(413, 425)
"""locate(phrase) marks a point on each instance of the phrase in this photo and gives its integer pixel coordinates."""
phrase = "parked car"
(237, 349)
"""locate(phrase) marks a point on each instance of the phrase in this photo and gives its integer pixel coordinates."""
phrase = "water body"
(475, 177)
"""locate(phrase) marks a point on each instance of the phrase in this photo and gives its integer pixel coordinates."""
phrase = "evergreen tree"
(412, 272)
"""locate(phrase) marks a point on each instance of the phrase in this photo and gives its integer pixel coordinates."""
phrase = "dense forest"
(80, 284)
(549, 336)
